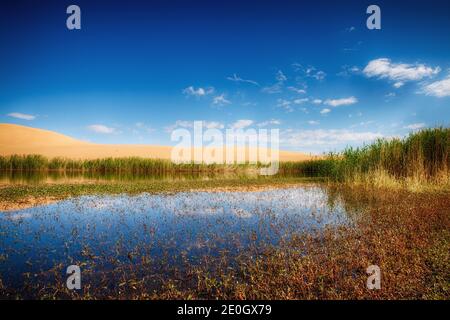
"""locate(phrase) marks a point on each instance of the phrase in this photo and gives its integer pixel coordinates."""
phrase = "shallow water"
(42, 177)
(189, 225)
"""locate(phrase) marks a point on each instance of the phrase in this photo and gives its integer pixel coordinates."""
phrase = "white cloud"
(400, 73)
(389, 96)
(309, 71)
(143, 126)
(322, 137)
(319, 75)
(180, 124)
(278, 86)
(325, 111)
(353, 47)
(269, 122)
(99, 128)
(438, 89)
(362, 124)
(280, 76)
(359, 114)
(313, 122)
(236, 78)
(21, 116)
(415, 126)
(220, 100)
(190, 124)
(213, 125)
(317, 101)
(300, 101)
(297, 90)
(285, 104)
(341, 102)
(241, 124)
(348, 71)
(199, 92)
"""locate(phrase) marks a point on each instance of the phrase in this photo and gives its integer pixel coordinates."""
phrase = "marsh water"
(38, 177)
(182, 226)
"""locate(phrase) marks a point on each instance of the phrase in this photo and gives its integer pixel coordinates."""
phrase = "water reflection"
(38, 177)
(113, 229)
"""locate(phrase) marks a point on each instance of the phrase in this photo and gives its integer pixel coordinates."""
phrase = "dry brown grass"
(409, 239)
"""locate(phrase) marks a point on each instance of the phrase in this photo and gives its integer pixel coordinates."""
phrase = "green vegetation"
(131, 165)
(24, 195)
(405, 233)
(420, 158)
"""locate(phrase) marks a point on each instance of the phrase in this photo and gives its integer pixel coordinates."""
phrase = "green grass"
(13, 193)
(107, 165)
(422, 157)
(129, 165)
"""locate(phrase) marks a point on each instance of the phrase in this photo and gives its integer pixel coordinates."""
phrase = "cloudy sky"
(138, 69)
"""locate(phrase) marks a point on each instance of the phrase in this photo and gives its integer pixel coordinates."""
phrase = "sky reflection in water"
(192, 224)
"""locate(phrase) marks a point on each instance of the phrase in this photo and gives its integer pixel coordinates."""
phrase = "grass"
(133, 165)
(422, 158)
(419, 162)
(30, 194)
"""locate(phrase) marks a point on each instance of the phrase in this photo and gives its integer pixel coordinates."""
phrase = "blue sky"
(138, 69)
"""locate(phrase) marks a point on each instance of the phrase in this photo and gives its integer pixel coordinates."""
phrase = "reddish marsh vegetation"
(406, 234)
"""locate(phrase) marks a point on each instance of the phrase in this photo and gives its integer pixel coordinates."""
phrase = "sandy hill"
(16, 139)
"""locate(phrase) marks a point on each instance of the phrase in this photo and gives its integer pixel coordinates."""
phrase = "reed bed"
(421, 157)
(134, 165)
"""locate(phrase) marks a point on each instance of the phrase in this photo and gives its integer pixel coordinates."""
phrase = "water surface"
(188, 225)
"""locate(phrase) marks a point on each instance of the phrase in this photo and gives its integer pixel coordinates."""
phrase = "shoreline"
(19, 197)
(22, 196)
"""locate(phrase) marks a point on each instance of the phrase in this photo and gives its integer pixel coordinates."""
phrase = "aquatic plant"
(421, 157)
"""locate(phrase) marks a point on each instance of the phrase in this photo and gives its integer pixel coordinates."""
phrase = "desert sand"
(22, 140)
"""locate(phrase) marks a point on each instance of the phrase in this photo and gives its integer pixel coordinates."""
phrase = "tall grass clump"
(23, 163)
(422, 157)
(134, 165)
(310, 168)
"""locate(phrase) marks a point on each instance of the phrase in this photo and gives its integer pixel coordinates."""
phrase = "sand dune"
(16, 139)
